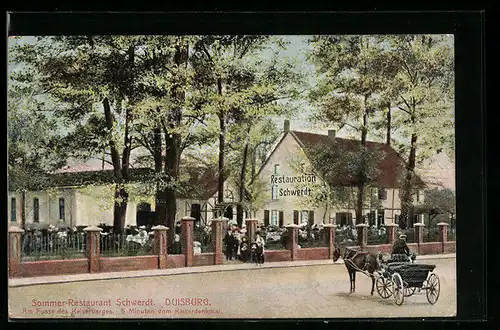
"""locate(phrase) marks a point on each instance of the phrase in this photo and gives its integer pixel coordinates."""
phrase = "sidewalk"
(27, 281)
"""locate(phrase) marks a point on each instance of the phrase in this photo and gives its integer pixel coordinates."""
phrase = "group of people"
(238, 246)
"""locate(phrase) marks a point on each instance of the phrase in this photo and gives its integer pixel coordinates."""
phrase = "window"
(281, 219)
(274, 217)
(36, 210)
(61, 209)
(274, 192)
(266, 218)
(276, 169)
(344, 218)
(13, 209)
(295, 217)
(371, 218)
(304, 217)
(382, 194)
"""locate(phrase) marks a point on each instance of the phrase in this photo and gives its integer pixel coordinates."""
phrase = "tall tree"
(350, 70)
(424, 88)
(92, 81)
(219, 62)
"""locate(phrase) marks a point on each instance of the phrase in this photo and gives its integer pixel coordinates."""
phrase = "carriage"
(401, 279)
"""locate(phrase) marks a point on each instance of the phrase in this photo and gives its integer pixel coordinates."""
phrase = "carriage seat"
(399, 258)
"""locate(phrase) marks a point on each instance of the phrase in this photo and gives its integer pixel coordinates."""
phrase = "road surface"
(318, 291)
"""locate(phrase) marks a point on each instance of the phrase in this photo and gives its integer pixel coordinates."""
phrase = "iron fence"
(452, 234)
(377, 236)
(122, 245)
(203, 238)
(52, 246)
(431, 235)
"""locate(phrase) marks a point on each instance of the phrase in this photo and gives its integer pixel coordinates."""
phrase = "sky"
(441, 168)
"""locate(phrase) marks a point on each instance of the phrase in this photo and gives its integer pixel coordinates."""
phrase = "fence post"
(419, 234)
(330, 238)
(293, 239)
(362, 235)
(187, 230)
(217, 237)
(251, 228)
(392, 228)
(93, 247)
(15, 251)
(443, 235)
(161, 245)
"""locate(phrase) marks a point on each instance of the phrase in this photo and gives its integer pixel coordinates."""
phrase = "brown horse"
(356, 261)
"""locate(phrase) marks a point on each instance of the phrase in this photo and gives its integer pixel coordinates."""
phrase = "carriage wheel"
(384, 288)
(398, 289)
(409, 291)
(433, 288)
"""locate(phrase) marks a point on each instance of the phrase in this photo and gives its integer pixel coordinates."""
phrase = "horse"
(356, 261)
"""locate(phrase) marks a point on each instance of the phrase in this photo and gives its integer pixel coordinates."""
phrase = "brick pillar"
(161, 245)
(362, 229)
(419, 234)
(187, 239)
(217, 237)
(443, 235)
(392, 229)
(15, 251)
(330, 238)
(293, 239)
(93, 247)
(251, 228)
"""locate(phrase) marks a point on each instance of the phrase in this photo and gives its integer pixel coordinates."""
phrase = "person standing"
(229, 242)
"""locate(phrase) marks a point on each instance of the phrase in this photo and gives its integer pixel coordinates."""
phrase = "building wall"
(48, 207)
(289, 151)
(95, 206)
(286, 152)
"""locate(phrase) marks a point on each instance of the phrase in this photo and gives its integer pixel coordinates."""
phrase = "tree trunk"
(359, 203)
(23, 208)
(160, 207)
(121, 196)
(254, 163)
(361, 177)
(239, 208)
(406, 196)
(388, 133)
(170, 193)
(222, 146)
(120, 209)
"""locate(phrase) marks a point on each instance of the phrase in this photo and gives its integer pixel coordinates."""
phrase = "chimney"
(286, 126)
(331, 134)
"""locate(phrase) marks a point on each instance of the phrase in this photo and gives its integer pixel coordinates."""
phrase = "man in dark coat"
(229, 241)
(400, 246)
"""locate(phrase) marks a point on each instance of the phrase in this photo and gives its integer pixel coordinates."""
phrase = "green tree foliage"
(351, 72)
(438, 201)
(423, 90)
(92, 81)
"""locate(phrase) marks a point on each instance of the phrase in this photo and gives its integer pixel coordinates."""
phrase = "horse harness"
(364, 271)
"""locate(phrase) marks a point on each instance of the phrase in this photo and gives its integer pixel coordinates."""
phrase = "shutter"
(311, 218)
(281, 219)
(266, 218)
(296, 217)
(349, 219)
(338, 219)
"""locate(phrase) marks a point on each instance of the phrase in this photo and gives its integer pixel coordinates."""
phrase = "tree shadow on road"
(377, 299)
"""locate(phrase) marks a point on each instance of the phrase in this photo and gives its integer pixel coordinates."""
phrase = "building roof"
(201, 182)
(391, 167)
